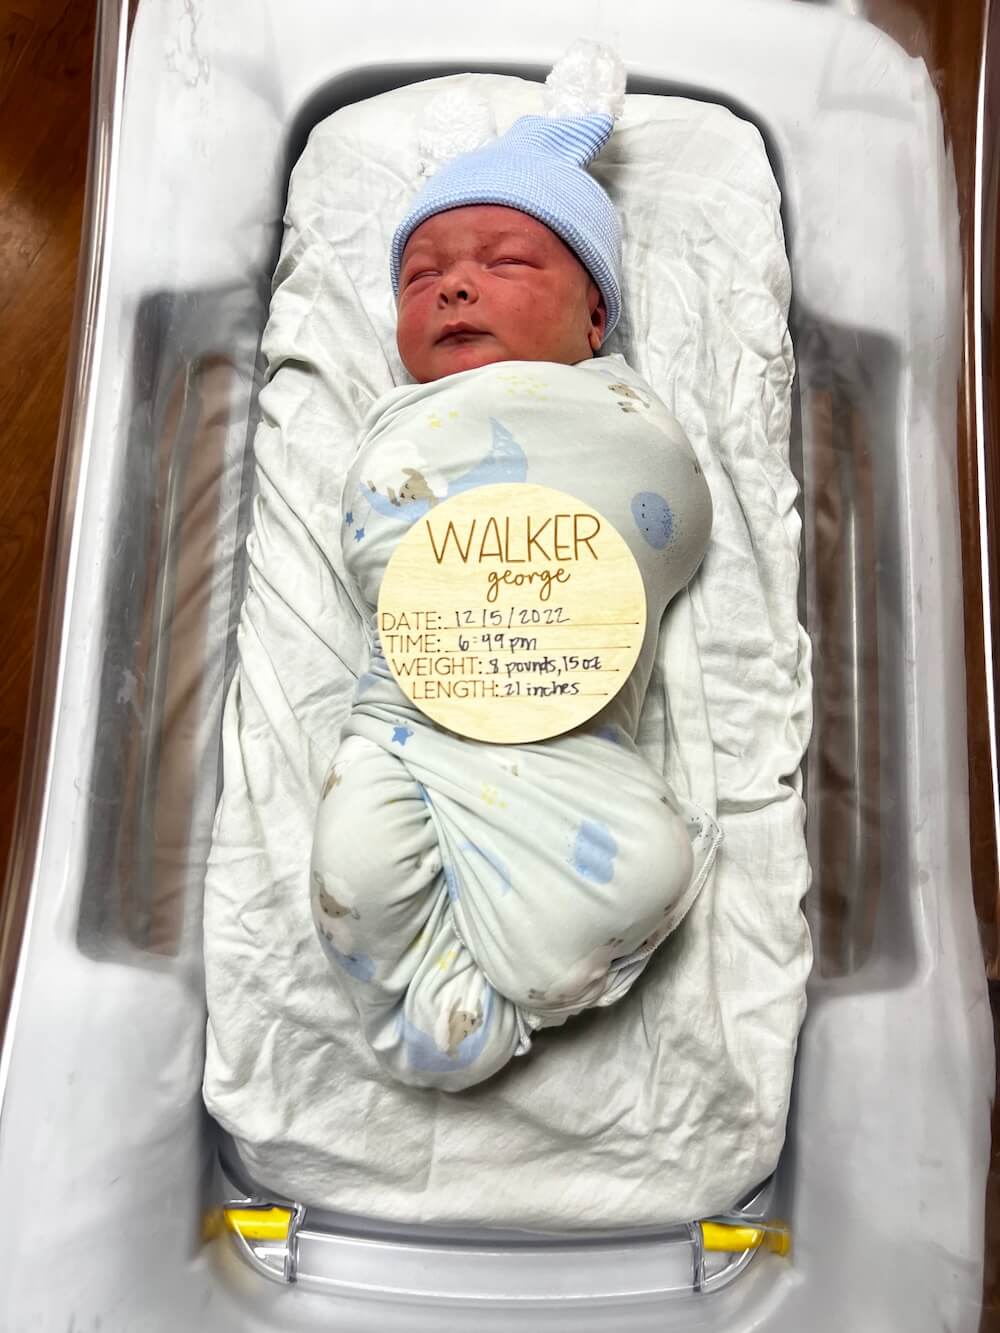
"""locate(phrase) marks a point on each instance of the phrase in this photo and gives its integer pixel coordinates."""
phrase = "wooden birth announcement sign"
(511, 613)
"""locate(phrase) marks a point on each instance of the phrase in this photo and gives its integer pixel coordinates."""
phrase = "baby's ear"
(598, 316)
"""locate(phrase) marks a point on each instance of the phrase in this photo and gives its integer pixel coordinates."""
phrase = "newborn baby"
(470, 894)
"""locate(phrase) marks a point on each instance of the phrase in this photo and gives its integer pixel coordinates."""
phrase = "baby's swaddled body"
(471, 893)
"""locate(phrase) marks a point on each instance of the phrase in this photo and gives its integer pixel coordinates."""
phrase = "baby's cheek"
(411, 341)
(406, 328)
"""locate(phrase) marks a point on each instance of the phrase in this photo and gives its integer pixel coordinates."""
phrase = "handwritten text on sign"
(511, 613)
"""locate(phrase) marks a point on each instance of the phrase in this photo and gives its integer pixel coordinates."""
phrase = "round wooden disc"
(510, 613)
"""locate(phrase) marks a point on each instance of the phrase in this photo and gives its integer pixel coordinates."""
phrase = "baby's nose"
(458, 287)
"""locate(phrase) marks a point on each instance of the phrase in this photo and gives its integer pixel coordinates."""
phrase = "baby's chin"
(442, 361)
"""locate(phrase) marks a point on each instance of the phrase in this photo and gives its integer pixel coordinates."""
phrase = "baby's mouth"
(456, 334)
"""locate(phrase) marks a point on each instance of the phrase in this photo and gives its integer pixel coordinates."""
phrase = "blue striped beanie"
(539, 167)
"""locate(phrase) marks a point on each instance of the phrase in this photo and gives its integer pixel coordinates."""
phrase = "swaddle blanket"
(673, 1103)
(470, 893)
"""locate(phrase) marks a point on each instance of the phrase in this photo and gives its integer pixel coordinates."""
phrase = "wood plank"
(45, 59)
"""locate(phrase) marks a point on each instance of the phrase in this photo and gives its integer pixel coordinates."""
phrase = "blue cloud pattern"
(594, 852)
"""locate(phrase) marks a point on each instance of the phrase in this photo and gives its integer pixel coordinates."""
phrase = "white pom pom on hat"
(587, 78)
(537, 167)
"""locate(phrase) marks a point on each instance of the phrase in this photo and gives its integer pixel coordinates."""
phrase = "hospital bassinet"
(108, 1168)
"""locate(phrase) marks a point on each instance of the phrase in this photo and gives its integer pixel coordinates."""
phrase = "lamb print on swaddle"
(468, 894)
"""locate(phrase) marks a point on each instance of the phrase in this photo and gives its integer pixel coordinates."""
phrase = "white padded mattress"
(672, 1103)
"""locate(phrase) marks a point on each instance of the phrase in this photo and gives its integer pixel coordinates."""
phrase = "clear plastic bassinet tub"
(110, 1174)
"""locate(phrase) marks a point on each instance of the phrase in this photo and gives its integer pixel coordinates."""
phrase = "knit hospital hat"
(538, 166)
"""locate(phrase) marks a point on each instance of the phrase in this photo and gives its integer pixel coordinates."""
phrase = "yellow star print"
(492, 796)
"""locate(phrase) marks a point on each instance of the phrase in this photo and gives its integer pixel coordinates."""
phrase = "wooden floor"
(45, 65)
(45, 60)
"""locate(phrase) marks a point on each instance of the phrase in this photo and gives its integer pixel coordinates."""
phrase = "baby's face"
(482, 284)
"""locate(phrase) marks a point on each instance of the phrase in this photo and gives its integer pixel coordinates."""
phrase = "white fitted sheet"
(672, 1103)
